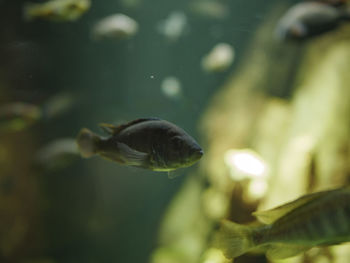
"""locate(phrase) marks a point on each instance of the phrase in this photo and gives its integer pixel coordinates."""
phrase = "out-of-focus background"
(214, 68)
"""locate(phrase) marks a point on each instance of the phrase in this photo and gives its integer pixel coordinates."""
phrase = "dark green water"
(93, 210)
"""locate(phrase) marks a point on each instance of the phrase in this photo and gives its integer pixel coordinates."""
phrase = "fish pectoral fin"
(113, 129)
(271, 215)
(131, 156)
(107, 128)
(121, 127)
(282, 251)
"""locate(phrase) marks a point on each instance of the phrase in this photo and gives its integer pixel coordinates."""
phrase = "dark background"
(95, 210)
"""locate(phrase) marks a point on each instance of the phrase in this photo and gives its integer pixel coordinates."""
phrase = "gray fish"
(317, 219)
(149, 143)
(308, 19)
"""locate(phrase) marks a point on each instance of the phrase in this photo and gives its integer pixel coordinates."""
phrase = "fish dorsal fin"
(108, 128)
(112, 129)
(270, 216)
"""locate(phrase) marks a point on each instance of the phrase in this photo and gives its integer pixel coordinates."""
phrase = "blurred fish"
(171, 88)
(56, 10)
(17, 116)
(150, 143)
(58, 104)
(308, 19)
(219, 58)
(116, 26)
(57, 154)
(317, 219)
(209, 8)
(174, 26)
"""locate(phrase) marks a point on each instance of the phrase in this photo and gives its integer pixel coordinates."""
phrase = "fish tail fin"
(234, 239)
(87, 142)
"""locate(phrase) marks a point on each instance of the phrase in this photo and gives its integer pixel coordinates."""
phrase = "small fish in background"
(308, 19)
(149, 143)
(57, 154)
(219, 58)
(56, 10)
(317, 219)
(58, 104)
(18, 116)
(116, 26)
(209, 9)
(171, 88)
(174, 26)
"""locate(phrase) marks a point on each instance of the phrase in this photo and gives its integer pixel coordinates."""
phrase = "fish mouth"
(198, 153)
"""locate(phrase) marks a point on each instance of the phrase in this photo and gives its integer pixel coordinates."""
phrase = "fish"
(58, 105)
(149, 143)
(171, 88)
(219, 58)
(308, 19)
(17, 116)
(316, 219)
(174, 26)
(117, 26)
(56, 10)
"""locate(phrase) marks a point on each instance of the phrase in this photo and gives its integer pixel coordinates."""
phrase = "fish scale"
(341, 221)
(345, 217)
(314, 221)
(317, 219)
(327, 225)
(312, 230)
(291, 227)
(319, 224)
